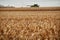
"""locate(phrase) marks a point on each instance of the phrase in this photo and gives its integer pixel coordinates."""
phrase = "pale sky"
(23, 3)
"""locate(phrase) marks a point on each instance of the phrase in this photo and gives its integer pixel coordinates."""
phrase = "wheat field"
(29, 25)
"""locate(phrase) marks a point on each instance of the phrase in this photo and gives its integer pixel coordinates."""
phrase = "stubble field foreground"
(29, 25)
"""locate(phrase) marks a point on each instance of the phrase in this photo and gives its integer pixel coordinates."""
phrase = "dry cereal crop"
(29, 24)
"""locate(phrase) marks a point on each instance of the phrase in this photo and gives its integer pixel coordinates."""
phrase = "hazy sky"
(30, 2)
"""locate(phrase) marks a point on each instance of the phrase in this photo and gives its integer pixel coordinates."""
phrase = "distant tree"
(10, 6)
(35, 5)
(1, 6)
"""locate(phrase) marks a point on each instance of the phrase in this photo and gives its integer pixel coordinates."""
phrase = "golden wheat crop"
(30, 23)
